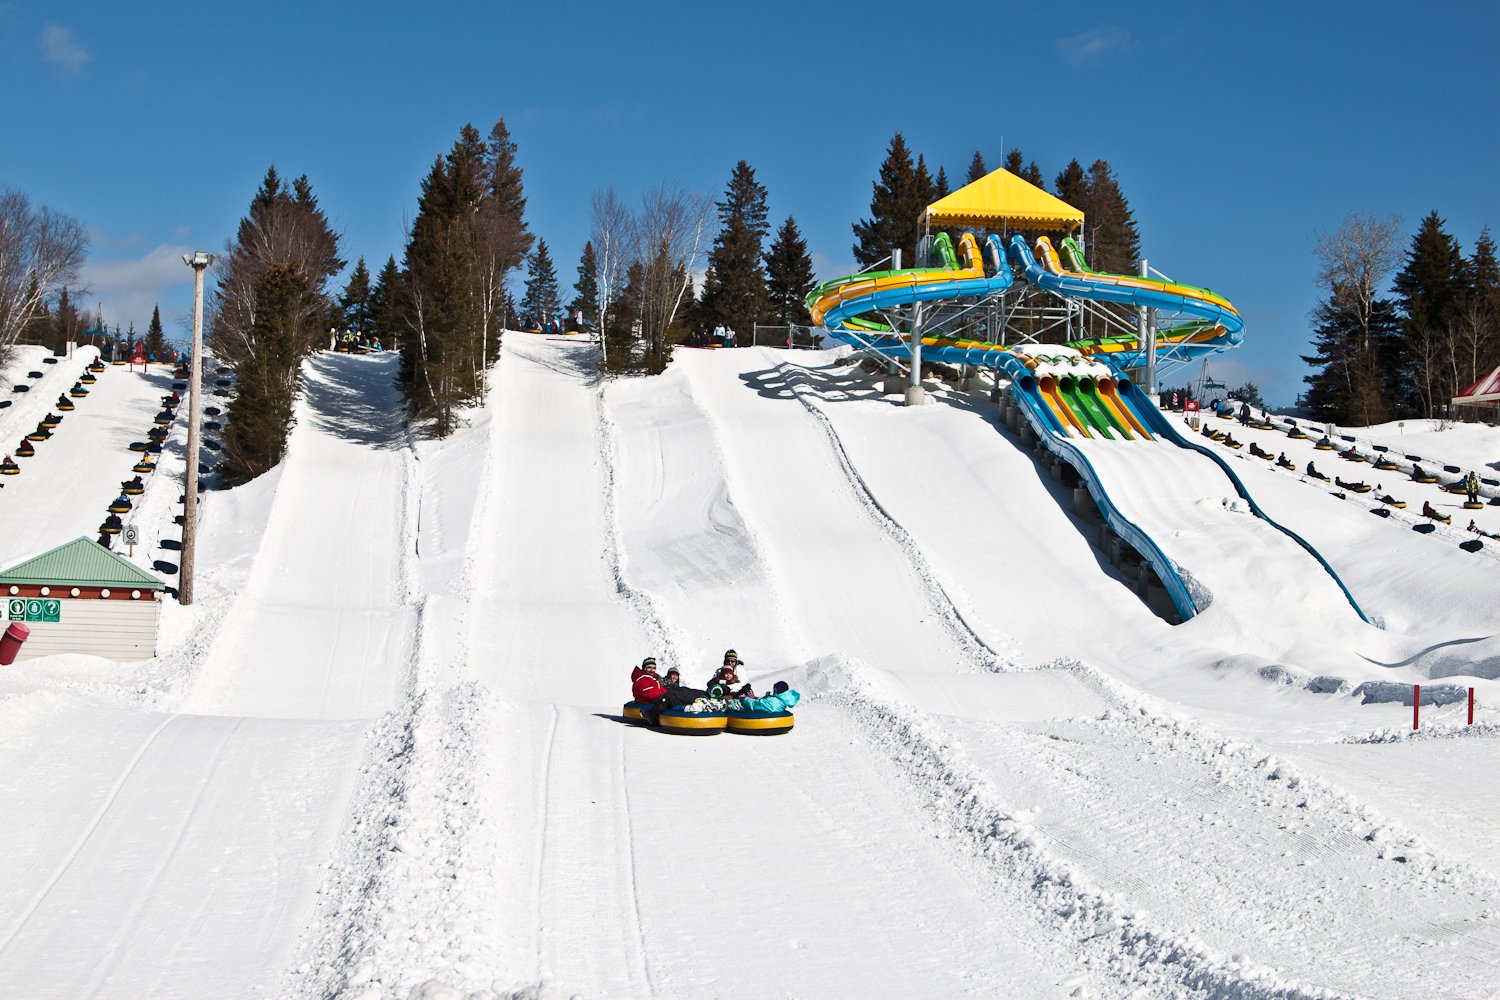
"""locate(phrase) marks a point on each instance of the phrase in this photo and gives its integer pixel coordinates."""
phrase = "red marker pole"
(1416, 706)
(1471, 706)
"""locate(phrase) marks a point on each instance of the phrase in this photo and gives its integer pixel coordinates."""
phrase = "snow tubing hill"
(676, 720)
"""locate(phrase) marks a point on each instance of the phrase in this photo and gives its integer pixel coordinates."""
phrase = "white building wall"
(114, 629)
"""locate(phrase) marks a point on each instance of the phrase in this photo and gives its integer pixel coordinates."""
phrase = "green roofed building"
(82, 598)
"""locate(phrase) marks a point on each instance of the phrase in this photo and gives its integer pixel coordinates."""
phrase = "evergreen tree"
(1030, 173)
(1348, 386)
(977, 169)
(789, 276)
(924, 184)
(1432, 289)
(542, 298)
(1073, 186)
(156, 341)
(382, 322)
(1484, 276)
(734, 286)
(466, 239)
(898, 199)
(586, 302)
(1114, 244)
(940, 187)
(271, 308)
(354, 307)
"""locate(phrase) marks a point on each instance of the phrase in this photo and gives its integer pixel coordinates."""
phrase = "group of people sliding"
(723, 690)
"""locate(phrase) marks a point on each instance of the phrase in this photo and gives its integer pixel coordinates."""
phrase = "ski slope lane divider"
(1165, 428)
(1133, 952)
(980, 653)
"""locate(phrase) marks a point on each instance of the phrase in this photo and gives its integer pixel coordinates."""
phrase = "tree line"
(1401, 330)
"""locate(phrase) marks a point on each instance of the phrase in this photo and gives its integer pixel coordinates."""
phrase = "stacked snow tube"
(755, 723)
(678, 720)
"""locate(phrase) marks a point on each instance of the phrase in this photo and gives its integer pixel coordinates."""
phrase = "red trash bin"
(10, 643)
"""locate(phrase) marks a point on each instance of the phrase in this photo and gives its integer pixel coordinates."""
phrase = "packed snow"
(381, 755)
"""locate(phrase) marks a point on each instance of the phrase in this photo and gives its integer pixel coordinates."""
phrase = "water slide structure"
(1075, 397)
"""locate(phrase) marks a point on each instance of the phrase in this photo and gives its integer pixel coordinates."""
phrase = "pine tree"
(897, 200)
(1030, 173)
(734, 285)
(586, 302)
(156, 341)
(542, 298)
(383, 323)
(271, 308)
(1072, 186)
(789, 276)
(1114, 244)
(1349, 384)
(1432, 289)
(466, 239)
(940, 187)
(977, 168)
(354, 306)
(924, 184)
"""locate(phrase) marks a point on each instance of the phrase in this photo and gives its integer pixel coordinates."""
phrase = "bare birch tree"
(670, 241)
(41, 251)
(1356, 259)
(612, 234)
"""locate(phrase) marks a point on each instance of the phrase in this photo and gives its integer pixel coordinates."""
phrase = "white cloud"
(1094, 45)
(128, 288)
(62, 50)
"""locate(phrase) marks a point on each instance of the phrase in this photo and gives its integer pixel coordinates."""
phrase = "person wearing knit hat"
(730, 656)
(672, 678)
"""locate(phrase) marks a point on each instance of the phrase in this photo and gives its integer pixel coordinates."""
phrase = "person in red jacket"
(647, 689)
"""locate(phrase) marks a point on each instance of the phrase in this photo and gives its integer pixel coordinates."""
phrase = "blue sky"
(1238, 134)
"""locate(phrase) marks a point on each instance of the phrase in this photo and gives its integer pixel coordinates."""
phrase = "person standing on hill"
(1471, 486)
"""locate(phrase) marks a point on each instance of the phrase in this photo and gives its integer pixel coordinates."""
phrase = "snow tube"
(27, 451)
(157, 433)
(138, 446)
(78, 392)
(164, 417)
(143, 467)
(752, 723)
(36, 435)
(1424, 479)
(49, 424)
(1260, 427)
(133, 491)
(10, 470)
(1324, 445)
(677, 720)
(1385, 465)
(1476, 505)
(88, 379)
(121, 506)
(97, 366)
(118, 361)
(1296, 435)
(65, 405)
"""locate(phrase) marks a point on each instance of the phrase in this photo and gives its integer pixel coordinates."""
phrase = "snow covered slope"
(381, 757)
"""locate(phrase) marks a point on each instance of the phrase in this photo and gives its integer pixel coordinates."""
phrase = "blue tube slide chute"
(1165, 429)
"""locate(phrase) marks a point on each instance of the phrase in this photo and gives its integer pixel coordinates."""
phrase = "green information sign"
(35, 609)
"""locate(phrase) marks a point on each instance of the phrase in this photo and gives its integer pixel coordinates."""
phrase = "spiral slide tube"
(1217, 324)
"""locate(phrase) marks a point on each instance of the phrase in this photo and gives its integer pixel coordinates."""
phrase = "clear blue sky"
(1238, 134)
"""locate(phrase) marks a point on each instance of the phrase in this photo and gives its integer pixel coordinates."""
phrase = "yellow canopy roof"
(1000, 198)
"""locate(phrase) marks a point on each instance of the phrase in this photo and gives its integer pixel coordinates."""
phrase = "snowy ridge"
(983, 655)
(1121, 944)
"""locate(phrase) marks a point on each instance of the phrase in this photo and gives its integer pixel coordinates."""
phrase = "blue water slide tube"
(1044, 423)
(1084, 286)
(930, 291)
(1164, 428)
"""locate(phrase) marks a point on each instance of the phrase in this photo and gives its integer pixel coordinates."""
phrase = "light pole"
(199, 262)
